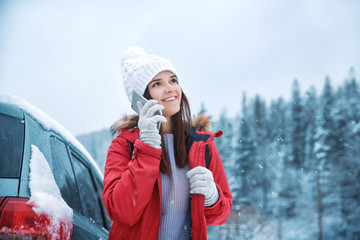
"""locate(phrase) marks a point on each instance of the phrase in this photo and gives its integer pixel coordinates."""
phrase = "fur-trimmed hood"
(202, 123)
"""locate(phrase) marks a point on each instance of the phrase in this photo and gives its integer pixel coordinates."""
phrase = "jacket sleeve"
(218, 213)
(129, 183)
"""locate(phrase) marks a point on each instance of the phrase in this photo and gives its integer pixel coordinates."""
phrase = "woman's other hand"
(202, 182)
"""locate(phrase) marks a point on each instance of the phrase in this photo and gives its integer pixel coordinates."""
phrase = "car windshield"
(11, 146)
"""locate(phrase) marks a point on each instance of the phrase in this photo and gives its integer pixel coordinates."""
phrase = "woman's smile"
(170, 99)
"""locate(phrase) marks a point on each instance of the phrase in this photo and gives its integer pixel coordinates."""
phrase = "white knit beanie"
(139, 68)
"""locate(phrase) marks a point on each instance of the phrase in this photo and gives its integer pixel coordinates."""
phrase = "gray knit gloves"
(202, 182)
(148, 123)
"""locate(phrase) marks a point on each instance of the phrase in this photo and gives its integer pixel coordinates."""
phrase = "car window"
(11, 146)
(88, 193)
(63, 174)
(99, 189)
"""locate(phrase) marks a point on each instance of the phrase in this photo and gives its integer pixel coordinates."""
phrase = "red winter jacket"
(132, 188)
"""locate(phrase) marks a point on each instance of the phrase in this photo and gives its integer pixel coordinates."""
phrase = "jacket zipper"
(160, 203)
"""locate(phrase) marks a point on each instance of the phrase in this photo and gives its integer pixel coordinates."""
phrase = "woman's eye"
(174, 80)
(156, 84)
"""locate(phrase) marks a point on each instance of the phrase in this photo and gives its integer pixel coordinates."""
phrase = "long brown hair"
(181, 128)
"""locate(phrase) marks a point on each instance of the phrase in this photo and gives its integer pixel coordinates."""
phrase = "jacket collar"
(129, 122)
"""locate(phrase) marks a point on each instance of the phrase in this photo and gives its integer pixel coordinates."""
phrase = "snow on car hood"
(47, 123)
(46, 197)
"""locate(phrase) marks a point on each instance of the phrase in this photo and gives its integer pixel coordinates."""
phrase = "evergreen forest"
(294, 166)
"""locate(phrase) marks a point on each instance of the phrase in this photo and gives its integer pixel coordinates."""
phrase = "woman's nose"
(169, 88)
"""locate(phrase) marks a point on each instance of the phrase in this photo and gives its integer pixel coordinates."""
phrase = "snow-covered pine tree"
(288, 192)
(296, 159)
(298, 127)
(310, 110)
(225, 147)
(245, 168)
(311, 191)
(260, 141)
(325, 148)
(347, 117)
(277, 134)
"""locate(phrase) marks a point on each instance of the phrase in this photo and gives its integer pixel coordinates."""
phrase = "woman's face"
(164, 87)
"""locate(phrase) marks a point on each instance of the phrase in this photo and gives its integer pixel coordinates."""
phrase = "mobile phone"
(138, 98)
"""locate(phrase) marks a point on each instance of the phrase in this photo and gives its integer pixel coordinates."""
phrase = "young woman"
(157, 184)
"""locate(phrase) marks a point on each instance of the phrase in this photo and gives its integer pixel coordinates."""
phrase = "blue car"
(50, 187)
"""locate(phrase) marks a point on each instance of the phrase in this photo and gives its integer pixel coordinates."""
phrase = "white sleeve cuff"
(212, 199)
(152, 138)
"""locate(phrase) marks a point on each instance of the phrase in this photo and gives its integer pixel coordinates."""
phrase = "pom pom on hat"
(132, 52)
(139, 68)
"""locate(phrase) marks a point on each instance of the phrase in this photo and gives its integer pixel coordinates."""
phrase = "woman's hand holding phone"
(138, 98)
(148, 122)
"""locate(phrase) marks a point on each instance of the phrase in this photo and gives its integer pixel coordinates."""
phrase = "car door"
(93, 216)
(73, 182)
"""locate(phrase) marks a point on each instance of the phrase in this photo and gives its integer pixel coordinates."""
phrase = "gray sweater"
(175, 207)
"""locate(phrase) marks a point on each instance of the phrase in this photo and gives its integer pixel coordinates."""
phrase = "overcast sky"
(63, 56)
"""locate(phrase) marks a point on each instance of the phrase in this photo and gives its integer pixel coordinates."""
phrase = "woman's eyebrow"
(155, 80)
(159, 79)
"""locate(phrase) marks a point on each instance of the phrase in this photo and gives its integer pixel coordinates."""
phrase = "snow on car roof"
(47, 123)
